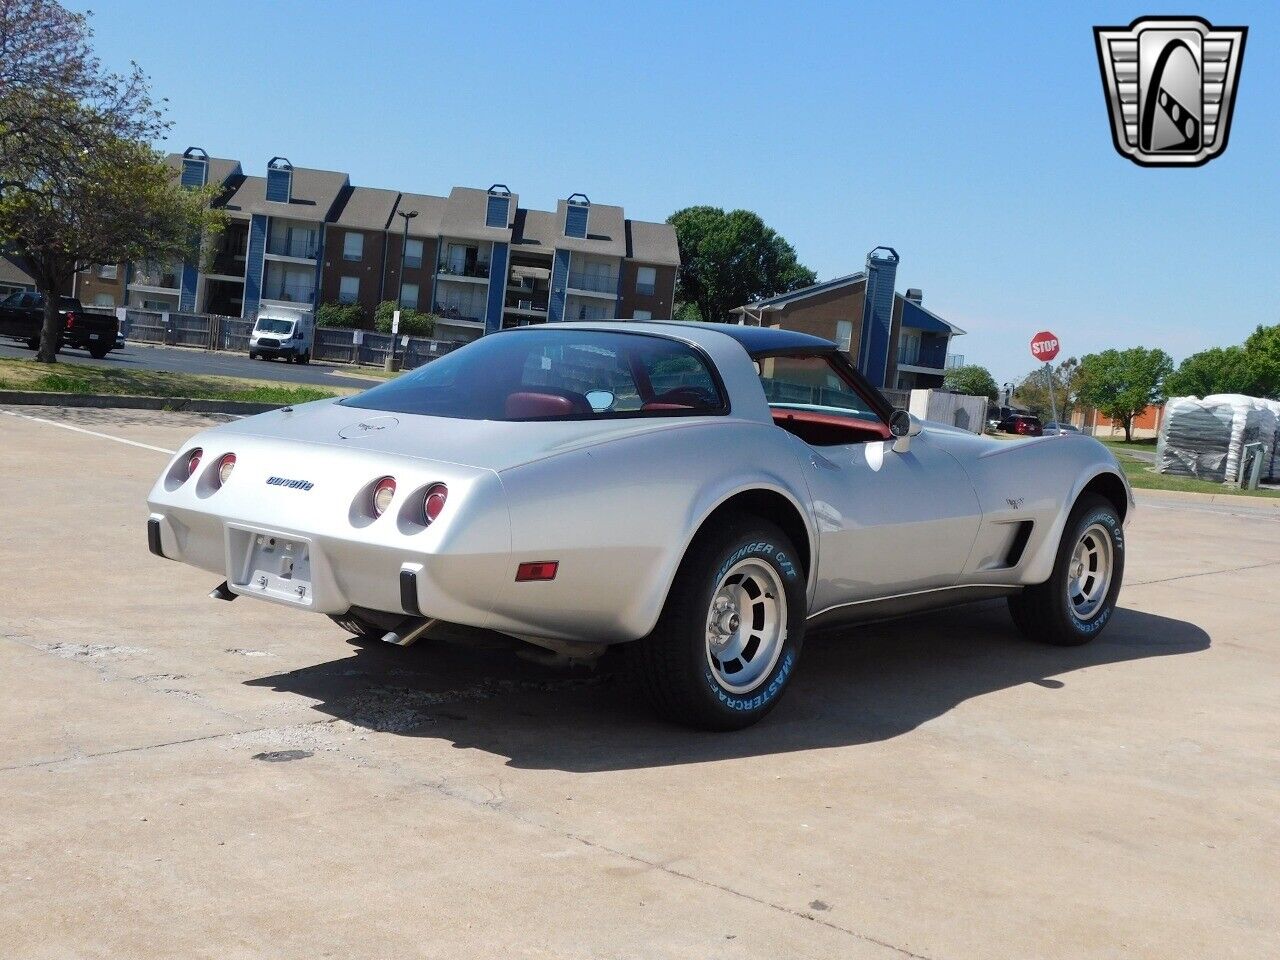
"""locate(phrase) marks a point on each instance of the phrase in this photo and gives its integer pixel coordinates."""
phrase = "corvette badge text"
(290, 484)
(1170, 84)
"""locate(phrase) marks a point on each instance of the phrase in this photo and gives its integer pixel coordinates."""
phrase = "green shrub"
(350, 315)
(413, 323)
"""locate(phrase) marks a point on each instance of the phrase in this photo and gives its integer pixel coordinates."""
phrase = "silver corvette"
(701, 494)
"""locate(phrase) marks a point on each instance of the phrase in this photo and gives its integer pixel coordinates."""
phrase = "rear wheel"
(305, 357)
(729, 637)
(33, 343)
(98, 352)
(1078, 600)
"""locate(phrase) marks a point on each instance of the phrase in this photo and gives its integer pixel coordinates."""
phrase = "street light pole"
(404, 245)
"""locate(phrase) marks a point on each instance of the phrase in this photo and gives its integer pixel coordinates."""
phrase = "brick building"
(298, 237)
(889, 336)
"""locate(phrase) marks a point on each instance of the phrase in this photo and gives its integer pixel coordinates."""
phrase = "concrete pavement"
(182, 777)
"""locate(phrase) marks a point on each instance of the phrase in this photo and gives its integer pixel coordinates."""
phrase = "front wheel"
(1079, 598)
(729, 637)
(33, 343)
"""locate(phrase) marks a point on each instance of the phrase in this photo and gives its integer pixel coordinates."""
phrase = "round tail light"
(193, 462)
(383, 493)
(434, 500)
(225, 466)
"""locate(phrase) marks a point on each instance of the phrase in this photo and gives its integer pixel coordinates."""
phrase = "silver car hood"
(484, 444)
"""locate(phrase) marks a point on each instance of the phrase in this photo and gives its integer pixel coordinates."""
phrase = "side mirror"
(904, 426)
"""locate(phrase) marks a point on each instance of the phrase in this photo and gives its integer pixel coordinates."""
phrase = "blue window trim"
(497, 211)
(575, 221)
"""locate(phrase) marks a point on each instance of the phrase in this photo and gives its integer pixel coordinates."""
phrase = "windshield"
(273, 325)
(542, 374)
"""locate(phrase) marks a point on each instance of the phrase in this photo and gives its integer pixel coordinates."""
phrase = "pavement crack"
(497, 805)
(142, 748)
(1204, 573)
(750, 898)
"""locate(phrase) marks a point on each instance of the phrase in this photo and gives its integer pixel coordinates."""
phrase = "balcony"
(928, 352)
(288, 291)
(155, 277)
(535, 307)
(300, 246)
(457, 312)
(476, 271)
(594, 283)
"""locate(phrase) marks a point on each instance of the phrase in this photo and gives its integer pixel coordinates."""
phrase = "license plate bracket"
(272, 565)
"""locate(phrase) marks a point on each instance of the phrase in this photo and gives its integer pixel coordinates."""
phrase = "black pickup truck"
(22, 318)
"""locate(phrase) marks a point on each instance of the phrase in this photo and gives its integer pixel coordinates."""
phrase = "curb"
(103, 401)
(1230, 499)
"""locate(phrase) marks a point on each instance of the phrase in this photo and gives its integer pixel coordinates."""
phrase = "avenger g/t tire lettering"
(729, 637)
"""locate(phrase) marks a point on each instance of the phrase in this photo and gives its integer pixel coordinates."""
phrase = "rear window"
(545, 374)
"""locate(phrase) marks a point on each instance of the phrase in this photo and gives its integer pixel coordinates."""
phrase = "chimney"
(877, 314)
(915, 295)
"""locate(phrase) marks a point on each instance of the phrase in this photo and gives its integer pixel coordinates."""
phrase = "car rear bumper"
(328, 574)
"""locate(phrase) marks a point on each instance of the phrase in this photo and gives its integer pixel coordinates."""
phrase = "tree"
(1252, 369)
(1123, 383)
(1263, 349)
(1216, 370)
(123, 204)
(413, 323)
(348, 315)
(730, 259)
(971, 379)
(78, 185)
(1033, 391)
(57, 101)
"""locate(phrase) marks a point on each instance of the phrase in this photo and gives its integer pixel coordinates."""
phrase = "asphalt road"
(178, 360)
(181, 777)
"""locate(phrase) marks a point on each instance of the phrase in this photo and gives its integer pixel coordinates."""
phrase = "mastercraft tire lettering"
(729, 637)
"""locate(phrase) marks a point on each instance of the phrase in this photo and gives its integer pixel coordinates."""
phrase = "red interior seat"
(529, 404)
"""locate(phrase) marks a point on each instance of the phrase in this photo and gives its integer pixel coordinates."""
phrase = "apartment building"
(299, 237)
(889, 336)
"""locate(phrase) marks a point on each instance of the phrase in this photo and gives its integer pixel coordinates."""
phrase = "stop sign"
(1044, 346)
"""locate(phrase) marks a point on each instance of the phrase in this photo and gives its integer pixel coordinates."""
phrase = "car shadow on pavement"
(856, 686)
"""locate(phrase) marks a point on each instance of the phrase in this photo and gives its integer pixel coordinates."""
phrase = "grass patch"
(1142, 475)
(68, 378)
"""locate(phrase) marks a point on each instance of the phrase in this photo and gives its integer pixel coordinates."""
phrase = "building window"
(349, 290)
(107, 271)
(646, 281)
(641, 315)
(413, 254)
(353, 247)
(409, 296)
(104, 300)
(575, 221)
(495, 214)
(844, 335)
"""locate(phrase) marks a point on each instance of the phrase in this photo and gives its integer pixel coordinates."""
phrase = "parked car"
(701, 494)
(22, 318)
(1053, 427)
(1023, 424)
(291, 337)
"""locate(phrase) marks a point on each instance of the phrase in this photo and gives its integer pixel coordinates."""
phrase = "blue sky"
(972, 139)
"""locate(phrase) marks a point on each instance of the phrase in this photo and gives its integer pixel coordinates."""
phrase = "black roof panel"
(760, 340)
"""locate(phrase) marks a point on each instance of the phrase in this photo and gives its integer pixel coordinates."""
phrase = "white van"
(290, 336)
